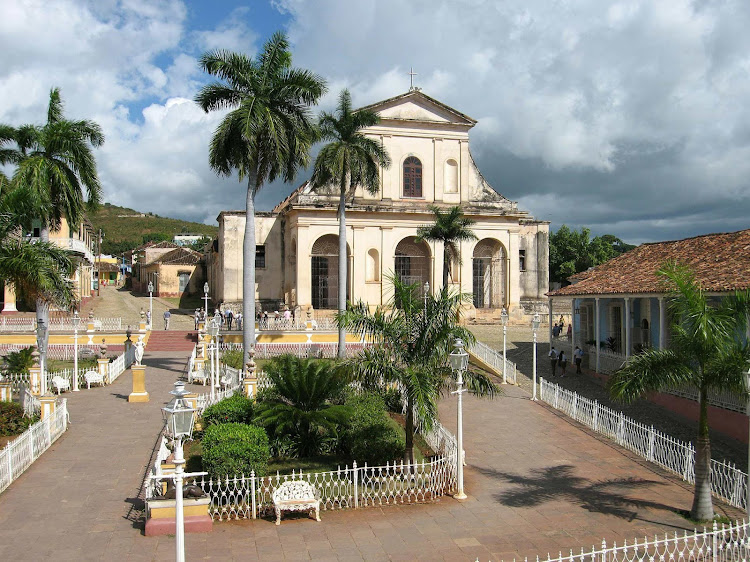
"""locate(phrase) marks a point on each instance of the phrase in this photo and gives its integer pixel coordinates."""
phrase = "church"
(431, 164)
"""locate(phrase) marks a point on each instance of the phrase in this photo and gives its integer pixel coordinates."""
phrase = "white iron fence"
(59, 324)
(729, 543)
(727, 481)
(494, 359)
(296, 324)
(20, 453)
(306, 349)
(63, 351)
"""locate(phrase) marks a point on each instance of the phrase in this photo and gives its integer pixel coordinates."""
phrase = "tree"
(412, 342)
(267, 133)
(300, 405)
(572, 251)
(449, 228)
(349, 160)
(705, 353)
(55, 165)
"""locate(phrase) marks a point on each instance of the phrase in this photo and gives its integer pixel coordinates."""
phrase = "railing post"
(31, 444)
(356, 487)
(651, 443)
(252, 494)
(595, 416)
(714, 541)
(620, 429)
(9, 455)
(575, 407)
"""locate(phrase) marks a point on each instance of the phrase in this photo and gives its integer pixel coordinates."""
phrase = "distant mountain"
(125, 229)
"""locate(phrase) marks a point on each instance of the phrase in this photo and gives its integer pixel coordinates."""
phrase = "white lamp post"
(151, 302)
(213, 350)
(179, 417)
(426, 293)
(747, 387)
(535, 326)
(76, 325)
(459, 361)
(504, 320)
(205, 302)
(41, 345)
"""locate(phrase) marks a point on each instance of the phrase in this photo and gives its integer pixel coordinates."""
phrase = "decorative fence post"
(621, 429)
(252, 494)
(595, 416)
(714, 541)
(651, 442)
(356, 487)
(575, 407)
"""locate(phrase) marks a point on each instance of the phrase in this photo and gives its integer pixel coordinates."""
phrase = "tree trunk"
(343, 261)
(702, 509)
(409, 450)
(446, 265)
(248, 277)
(42, 306)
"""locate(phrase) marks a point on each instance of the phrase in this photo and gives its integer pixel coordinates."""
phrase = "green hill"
(125, 229)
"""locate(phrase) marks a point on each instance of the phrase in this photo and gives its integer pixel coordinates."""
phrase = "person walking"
(578, 358)
(167, 316)
(553, 360)
(229, 316)
(238, 320)
(148, 318)
(197, 317)
(562, 360)
(556, 330)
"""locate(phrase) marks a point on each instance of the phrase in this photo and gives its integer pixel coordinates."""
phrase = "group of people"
(559, 359)
(559, 328)
(226, 319)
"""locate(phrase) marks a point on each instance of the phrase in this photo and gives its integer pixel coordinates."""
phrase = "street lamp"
(41, 345)
(426, 293)
(205, 300)
(213, 350)
(151, 302)
(504, 321)
(535, 326)
(459, 361)
(179, 417)
(76, 325)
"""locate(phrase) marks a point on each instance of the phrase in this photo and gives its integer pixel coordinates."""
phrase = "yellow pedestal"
(6, 392)
(48, 405)
(250, 385)
(139, 393)
(103, 365)
(35, 380)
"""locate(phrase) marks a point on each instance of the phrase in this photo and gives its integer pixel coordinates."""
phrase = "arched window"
(412, 177)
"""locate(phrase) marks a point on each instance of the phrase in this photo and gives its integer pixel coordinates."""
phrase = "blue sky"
(626, 116)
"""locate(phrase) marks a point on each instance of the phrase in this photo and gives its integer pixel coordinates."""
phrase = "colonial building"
(174, 271)
(428, 143)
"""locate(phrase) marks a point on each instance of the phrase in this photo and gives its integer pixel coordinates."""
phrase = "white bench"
(93, 377)
(60, 383)
(198, 376)
(296, 495)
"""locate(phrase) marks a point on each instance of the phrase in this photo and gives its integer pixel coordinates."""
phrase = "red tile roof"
(180, 256)
(721, 262)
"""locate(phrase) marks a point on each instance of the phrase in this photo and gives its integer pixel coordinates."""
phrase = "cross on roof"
(412, 74)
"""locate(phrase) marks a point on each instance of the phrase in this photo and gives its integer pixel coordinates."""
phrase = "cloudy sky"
(630, 117)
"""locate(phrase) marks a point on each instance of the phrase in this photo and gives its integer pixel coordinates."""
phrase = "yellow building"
(428, 143)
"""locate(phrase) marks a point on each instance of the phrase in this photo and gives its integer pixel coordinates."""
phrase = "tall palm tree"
(412, 342)
(705, 353)
(267, 133)
(351, 159)
(450, 227)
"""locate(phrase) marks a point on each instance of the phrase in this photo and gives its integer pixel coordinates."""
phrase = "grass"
(718, 518)
(325, 463)
(59, 364)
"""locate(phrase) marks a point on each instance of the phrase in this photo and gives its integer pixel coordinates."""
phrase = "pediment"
(416, 106)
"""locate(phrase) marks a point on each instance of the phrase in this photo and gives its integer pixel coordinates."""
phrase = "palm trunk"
(703, 509)
(343, 261)
(409, 450)
(248, 277)
(42, 306)
(446, 265)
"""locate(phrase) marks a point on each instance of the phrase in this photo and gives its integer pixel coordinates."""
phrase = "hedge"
(12, 420)
(234, 449)
(372, 437)
(235, 409)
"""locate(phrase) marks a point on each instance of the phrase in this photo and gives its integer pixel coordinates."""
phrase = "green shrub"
(19, 362)
(233, 449)
(235, 409)
(232, 358)
(12, 420)
(372, 437)
(394, 401)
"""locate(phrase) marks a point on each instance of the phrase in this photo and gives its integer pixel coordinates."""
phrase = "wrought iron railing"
(494, 359)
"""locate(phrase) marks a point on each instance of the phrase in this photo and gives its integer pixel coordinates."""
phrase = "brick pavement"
(536, 483)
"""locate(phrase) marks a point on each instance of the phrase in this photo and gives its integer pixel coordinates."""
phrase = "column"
(551, 323)
(596, 332)
(627, 327)
(662, 324)
(573, 327)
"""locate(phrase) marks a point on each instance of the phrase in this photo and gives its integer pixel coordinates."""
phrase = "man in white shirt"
(553, 360)
(578, 358)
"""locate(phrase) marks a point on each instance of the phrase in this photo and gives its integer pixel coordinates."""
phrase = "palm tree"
(267, 133)
(705, 353)
(349, 160)
(300, 405)
(412, 342)
(55, 165)
(449, 227)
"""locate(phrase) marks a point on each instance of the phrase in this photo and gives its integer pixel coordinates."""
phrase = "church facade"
(431, 164)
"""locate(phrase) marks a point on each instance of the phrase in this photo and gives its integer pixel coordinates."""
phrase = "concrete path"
(536, 483)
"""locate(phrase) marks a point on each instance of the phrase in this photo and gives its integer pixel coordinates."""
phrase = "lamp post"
(459, 361)
(504, 321)
(179, 417)
(151, 303)
(205, 302)
(76, 325)
(535, 326)
(41, 345)
(747, 387)
(213, 350)
(426, 293)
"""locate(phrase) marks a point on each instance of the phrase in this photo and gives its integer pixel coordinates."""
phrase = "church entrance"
(412, 261)
(488, 274)
(324, 263)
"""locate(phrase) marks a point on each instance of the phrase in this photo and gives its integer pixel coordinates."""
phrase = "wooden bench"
(93, 377)
(296, 495)
(60, 383)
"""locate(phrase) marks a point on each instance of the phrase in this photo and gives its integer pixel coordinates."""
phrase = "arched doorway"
(488, 274)
(412, 261)
(324, 263)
